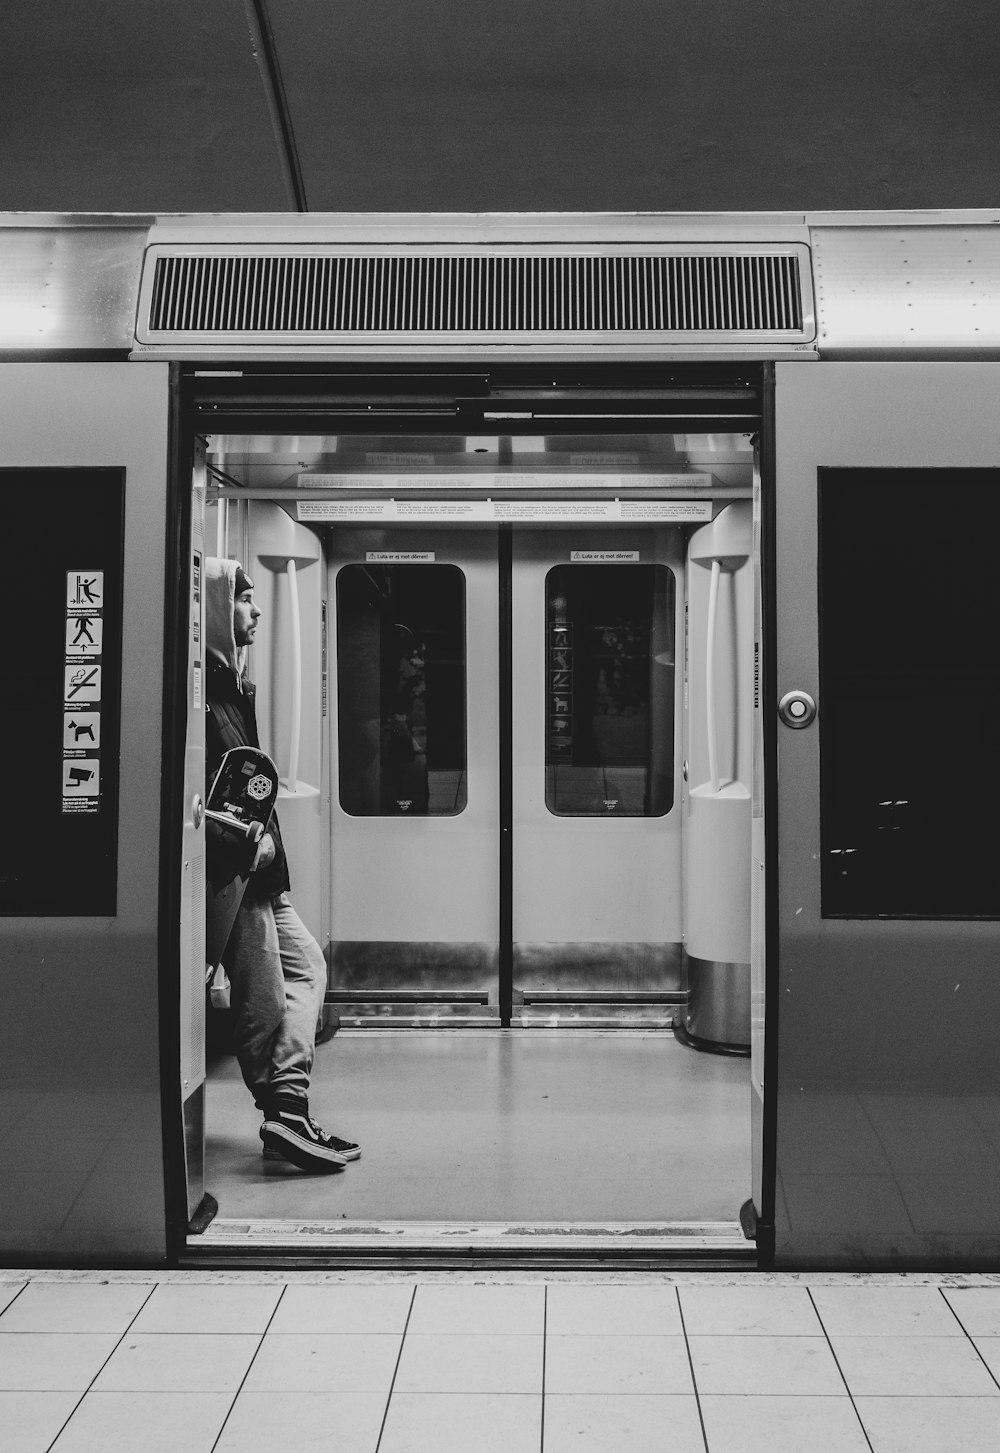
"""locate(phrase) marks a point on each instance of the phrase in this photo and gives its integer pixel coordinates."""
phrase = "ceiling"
(537, 105)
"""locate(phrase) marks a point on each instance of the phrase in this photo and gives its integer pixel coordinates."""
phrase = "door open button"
(797, 709)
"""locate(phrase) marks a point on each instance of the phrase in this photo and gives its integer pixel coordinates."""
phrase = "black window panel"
(401, 690)
(910, 692)
(55, 861)
(609, 695)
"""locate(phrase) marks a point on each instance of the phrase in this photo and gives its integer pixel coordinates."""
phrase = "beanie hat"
(243, 581)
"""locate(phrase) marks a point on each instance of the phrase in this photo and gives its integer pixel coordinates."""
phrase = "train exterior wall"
(887, 1101)
(81, 1138)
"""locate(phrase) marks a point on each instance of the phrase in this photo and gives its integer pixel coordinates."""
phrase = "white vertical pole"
(221, 530)
(296, 702)
(710, 724)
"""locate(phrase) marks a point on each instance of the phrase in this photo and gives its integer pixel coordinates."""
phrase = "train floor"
(450, 1362)
(537, 1125)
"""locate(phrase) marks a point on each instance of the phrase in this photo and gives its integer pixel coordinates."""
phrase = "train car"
(627, 657)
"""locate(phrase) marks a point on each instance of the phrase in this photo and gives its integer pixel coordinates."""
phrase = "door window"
(609, 740)
(401, 676)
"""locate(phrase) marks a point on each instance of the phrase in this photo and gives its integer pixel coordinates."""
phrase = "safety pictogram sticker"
(85, 590)
(81, 732)
(82, 670)
(81, 788)
(83, 683)
(84, 634)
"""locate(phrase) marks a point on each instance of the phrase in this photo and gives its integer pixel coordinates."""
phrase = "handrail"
(296, 702)
(221, 528)
(710, 715)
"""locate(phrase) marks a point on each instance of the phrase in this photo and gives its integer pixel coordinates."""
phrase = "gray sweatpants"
(278, 977)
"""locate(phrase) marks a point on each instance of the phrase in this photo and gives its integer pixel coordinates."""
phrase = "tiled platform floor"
(395, 1362)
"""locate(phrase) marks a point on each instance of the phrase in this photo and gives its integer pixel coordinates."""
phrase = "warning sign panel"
(81, 732)
(81, 784)
(85, 590)
(83, 635)
(83, 668)
(83, 683)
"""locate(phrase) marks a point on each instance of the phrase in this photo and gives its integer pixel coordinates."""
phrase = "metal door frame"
(208, 400)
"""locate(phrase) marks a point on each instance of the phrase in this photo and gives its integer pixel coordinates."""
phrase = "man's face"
(245, 617)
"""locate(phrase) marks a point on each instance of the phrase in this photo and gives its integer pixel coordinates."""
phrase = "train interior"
(508, 684)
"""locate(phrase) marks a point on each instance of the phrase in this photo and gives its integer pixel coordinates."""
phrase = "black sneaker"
(290, 1133)
(346, 1148)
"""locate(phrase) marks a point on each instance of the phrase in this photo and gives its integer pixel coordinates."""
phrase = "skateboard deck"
(239, 809)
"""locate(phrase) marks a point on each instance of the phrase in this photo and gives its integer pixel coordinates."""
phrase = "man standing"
(276, 967)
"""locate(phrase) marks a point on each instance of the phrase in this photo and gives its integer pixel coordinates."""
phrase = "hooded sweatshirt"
(231, 719)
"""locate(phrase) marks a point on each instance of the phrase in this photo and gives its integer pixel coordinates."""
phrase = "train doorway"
(508, 684)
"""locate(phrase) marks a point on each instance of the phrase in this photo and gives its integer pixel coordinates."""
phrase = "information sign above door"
(505, 480)
(486, 511)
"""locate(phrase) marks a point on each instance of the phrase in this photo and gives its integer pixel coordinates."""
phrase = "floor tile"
(309, 1422)
(631, 1310)
(770, 1424)
(8, 1291)
(918, 1130)
(930, 1425)
(977, 1308)
(748, 1311)
(596, 1423)
(783, 1366)
(617, 1364)
(208, 1307)
(155, 1422)
(342, 1309)
(825, 1203)
(885, 1311)
(30, 1420)
(953, 1204)
(75, 1307)
(498, 1309)
(989, 1351)
(435, 1362)
(829, 1134)
(459, 1423)
(37, 1361)
(913, 1367)
(985, 1110)
(324, 1362)
(174, 1362)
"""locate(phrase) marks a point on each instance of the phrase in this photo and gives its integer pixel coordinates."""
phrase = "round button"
(797, 709)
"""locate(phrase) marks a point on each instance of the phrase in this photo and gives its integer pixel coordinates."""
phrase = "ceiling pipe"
(265, 54)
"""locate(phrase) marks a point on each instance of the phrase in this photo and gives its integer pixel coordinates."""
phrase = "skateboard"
(239, 809)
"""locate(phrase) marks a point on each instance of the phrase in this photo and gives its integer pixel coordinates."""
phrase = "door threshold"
(716, 1244)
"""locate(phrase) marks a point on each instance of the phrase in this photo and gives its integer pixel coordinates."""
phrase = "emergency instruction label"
(404, 557)
(604, 557)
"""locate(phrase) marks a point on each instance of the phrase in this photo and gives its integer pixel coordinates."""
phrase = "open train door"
(83, 483)
(885, 1119)
(192, 891)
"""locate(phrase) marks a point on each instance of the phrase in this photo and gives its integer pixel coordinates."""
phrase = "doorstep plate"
(403, 1237)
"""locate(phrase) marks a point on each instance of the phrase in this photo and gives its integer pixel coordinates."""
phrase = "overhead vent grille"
(285, 295)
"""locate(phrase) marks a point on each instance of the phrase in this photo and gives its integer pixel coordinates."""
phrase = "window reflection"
(609, 690)
(401, 690)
